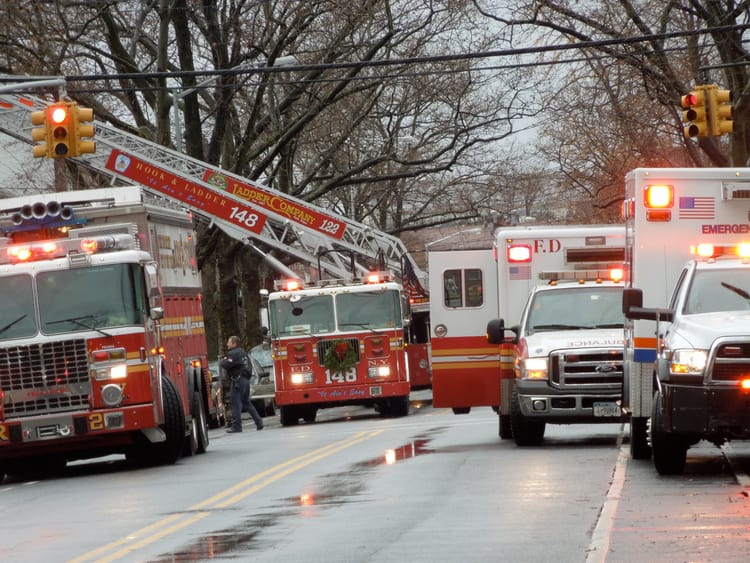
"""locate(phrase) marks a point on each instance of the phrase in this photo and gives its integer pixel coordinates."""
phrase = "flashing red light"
(616, 274)
(89, 246)
(658, 196)
(745, 383)
(690, 100)
(519, 253)
(58, 115)
(20, 253)
(292, 285)
(374, 278)
(704, 250)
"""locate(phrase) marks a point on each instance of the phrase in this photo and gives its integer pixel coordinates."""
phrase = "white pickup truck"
(702, 368)
(568, 357)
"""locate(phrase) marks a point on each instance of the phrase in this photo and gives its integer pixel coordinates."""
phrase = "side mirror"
(496, 332)
(157, 313)
(632, 308)
(631, 297)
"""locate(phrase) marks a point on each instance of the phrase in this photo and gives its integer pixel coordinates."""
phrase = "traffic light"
(83, 130)
(696, 114)
(720, 111)
(60, 130)
(39, 133)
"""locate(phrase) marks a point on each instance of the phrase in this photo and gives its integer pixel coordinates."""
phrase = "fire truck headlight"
(112, 395)
(117, 371)
(534, 368)
(300, 377)
(379, 371)
(688, 362)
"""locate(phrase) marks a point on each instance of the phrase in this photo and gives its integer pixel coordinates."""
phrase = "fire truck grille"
(44, 378)
(731, 363)
(325, 345)
(598, 368)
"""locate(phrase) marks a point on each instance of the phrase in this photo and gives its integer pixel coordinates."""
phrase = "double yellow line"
(171, 524)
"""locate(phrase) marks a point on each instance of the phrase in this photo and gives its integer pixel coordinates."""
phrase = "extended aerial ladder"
(245, 210)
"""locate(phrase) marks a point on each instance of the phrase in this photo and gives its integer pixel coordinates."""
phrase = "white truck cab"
(703, 357)
(568, 357)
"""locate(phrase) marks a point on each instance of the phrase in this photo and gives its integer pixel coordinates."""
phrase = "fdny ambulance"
(470, 288)
(687, 338)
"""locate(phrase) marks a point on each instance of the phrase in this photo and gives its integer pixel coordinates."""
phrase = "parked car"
(262, 384)
(218, 418)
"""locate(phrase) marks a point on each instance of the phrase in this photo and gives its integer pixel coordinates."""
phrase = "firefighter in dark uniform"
(237, 365)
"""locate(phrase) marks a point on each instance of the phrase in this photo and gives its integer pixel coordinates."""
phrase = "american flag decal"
(697, 207)
(520, 272)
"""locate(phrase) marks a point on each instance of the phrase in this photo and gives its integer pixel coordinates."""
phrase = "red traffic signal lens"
(58, 115)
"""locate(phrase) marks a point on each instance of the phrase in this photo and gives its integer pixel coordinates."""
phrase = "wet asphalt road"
(356, 487)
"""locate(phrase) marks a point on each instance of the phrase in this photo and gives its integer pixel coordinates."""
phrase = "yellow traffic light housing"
(83, 130)
(60, 127)
(40, 133)
(720, 111)
(696, 114)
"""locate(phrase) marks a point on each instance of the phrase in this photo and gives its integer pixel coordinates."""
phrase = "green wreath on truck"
(339, 357)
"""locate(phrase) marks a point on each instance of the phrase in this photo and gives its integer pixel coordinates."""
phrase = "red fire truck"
(102, 347)
(260, 217)
(339, 343)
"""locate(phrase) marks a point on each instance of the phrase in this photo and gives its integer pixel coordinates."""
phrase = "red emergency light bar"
(378, 277)
(582, 276)
(707, 250)
(50, 249)
(519, 253)
(288, 285)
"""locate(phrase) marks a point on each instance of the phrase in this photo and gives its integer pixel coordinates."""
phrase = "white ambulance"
(469, 288)
(687, 357)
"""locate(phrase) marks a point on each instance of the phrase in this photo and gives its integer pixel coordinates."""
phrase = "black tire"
(288, 416)
(639, 446)
(504, 428)
(525, 432)
(260, 406)
(271, 409)
(669, 449)
(190, 448)
(309, 414)
(168, 452)
(199, 421)
(461, 410)
(400, 406)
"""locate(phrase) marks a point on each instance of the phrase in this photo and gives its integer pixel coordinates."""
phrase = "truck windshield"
(368, 309)
(17, 316)
(713, 291)
(89, 298)
(310, 314)
(576, 309)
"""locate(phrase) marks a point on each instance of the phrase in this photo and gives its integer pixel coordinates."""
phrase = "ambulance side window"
(463, 288)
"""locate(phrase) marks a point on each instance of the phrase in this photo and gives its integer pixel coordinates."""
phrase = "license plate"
(376, 391)
(606, 409)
